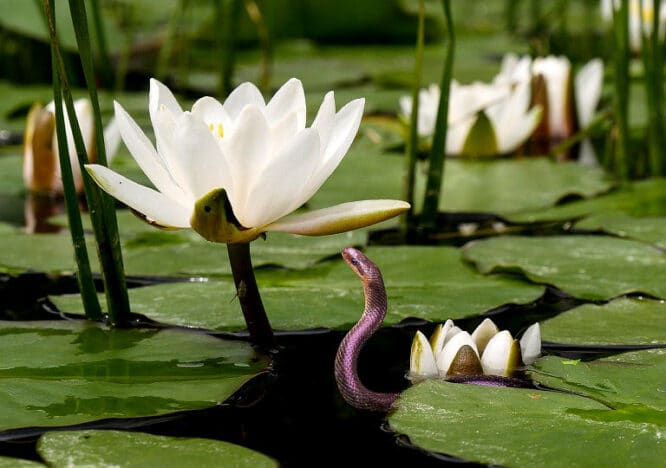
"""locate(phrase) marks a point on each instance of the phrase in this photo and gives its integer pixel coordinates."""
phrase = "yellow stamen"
(220, 130)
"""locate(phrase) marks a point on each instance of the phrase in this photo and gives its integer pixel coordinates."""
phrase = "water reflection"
(38, 211)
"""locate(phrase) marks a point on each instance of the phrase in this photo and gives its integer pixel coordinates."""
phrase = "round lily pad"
(77, 371)
(588, 267)
(119, 448)
(651, 230)
(524, 427)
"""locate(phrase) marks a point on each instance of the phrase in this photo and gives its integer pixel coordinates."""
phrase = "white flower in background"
(484, 119)
(641, 15)
(570, 105)
(452, 352)
(41, 164)
(233, 171)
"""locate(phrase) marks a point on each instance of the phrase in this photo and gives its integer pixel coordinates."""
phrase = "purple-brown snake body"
(346, 375)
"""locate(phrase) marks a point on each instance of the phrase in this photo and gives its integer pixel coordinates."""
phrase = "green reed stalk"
(621, 163)
(84, 276)
(438, 150)
(652, 55)
(102, 210)
(411, 148)
(227, 14)
(265, 39)
(104, 59)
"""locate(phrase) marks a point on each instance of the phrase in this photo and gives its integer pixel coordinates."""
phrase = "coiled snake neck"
(346, 360)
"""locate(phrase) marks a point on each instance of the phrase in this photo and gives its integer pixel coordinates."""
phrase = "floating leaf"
(510, 186)
(57, 373)
(631, 383)
(620, 322)
(7, 462)
(431, 283)
(642, 198)
(523, 427)
(588, 267)
(651, 230)
(119, 448)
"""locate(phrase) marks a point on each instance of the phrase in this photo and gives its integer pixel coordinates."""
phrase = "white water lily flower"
(452, 352)
(41, 164)
(641, 16)
(483, 120)
(233, 171)
(566, 107)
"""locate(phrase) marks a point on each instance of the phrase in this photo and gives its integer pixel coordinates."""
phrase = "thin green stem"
(621, 89)
(84, 276)
(652, 55)
(104, 59)
(264, 35)
(437, 153)
(411, 148)
(102, 211)
(261, 333)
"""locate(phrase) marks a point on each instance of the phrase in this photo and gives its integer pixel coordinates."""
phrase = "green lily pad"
(639, 199)
(651, 230)
(588, 267)
(78, 371)
(513, 185)
(8, 462)
(120, 448)
(620, 322)
(631, 383)
(431, 283)
(524, 427)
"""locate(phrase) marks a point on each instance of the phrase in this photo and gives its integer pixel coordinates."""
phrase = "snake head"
(357, 261)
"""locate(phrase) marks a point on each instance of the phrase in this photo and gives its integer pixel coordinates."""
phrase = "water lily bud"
(441, 335)
(501, 356)
(530, 344)
(446, 357)
(465, 362)
(41, 161)
(483, 333)
(422, 363)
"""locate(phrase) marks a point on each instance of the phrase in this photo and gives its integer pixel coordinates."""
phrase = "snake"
(346, 360)
(374, 312)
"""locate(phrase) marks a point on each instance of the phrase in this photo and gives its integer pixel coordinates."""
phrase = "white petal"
(244, 95)
(325, 118)
(555, 71)
(83, 110)
(456, 134)
(530, 344)
(198, 163)
(339, 218)
(439, 336)
(446, 356)
(483, 334)
(587, 156)
(345, 127)
(497, 357)
(275, 190)
(161, 96)
(157, 208)
(283, 132)
(211, 111)
(588, 90)
(421, 359)
(112, 140)
(145, 155)
(247, 152)
(289, 98)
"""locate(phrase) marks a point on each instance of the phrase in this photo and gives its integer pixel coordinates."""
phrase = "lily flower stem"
(435, 177)
(261, 333)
